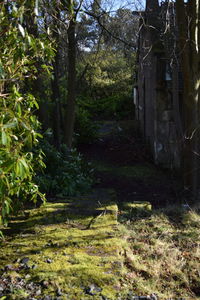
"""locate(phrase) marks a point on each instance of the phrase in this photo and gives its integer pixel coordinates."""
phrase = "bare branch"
(98, 19)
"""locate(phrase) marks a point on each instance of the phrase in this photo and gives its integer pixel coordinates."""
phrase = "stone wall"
(158, 91)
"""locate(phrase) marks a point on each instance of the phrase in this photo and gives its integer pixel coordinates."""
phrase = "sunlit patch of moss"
(137, 205)
(70, 247)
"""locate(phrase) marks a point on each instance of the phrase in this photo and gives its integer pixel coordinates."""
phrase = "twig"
(94, 219)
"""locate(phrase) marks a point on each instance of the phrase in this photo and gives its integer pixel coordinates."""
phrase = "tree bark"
(195, 67)
(71, 86)
(188, 25)
(56, 101)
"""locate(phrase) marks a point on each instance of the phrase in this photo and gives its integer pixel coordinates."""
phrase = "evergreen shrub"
(66, 173)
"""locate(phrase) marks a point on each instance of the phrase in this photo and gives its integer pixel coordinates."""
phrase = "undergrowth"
(66, 172)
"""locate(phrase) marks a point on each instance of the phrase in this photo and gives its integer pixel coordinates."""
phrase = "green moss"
(143, 172)
(138, 205)
(153, 253)
(65, 251)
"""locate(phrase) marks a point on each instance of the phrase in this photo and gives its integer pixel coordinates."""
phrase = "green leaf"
(19, 109)
(26, 126)
(2, 237)
(20, 170)
(29, 140)
(36, 8)
(21, 29)
(23, 162)
(4, 138)
(2, 73)
(7, 206)
(12, 124)
(36, 104)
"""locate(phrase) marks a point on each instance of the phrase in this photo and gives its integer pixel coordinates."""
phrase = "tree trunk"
(56, 101)
(189, 50)
(195, 67)
(71, 88)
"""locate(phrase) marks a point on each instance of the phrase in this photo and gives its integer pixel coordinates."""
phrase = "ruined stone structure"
(158, 92)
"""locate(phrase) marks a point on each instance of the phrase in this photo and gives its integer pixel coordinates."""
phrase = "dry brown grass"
(164, 253)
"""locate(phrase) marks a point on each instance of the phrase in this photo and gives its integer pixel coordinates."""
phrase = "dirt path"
(122, 162)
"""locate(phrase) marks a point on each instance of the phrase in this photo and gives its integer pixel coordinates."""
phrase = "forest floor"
(129, 239)
(162, 231)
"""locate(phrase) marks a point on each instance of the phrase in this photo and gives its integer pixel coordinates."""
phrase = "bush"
(118, 107)
(85, 128)
(66, 173)
(19, 52)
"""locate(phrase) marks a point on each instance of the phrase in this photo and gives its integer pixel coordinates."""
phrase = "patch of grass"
(164, 254)
(142, 172)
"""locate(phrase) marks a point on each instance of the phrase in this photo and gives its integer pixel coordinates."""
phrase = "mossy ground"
(71, 244)
(146, 251)
(151, 252)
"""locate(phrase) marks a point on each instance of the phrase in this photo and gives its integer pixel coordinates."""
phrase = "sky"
(113, 5)
(128, 3)
(131, 4)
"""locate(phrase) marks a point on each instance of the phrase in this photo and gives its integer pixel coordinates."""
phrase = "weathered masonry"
(158, 93)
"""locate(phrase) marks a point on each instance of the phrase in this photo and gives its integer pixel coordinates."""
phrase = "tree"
(63, 15)
(71, 85)
(76, 27)
(188, 19)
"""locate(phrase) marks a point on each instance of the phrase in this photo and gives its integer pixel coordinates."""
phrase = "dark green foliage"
(114, 107)
(85, 127)
(66, 174)
(118, 107)
(106, 87)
